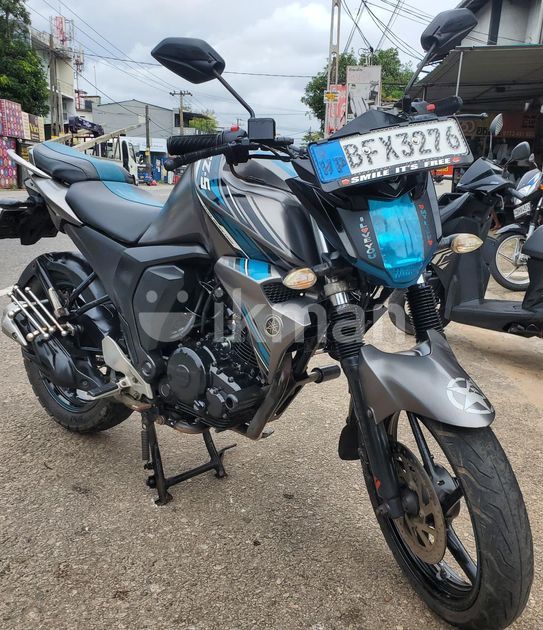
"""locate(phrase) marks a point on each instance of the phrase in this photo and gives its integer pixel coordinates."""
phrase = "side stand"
(151, 455)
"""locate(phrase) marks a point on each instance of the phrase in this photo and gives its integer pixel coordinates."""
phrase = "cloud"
(279, 36)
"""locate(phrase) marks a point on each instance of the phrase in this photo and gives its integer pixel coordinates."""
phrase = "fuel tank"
(245, 210)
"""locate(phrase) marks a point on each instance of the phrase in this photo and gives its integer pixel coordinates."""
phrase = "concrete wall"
(520, 23)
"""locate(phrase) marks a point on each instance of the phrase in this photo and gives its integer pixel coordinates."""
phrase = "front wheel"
(509, 265)
(465, 543)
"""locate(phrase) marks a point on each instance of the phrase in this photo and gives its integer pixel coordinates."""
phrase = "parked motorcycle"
(509, 265)
(204, 314)
(460, 280)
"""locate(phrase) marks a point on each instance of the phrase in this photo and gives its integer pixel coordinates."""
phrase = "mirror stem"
(418, 70)
(235, 94)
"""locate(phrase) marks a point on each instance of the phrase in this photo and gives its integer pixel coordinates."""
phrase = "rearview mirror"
(521, 152)
(191, 59)
(446, 31)
(496, 125)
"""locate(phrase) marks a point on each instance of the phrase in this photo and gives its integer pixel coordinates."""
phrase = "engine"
(219, 382)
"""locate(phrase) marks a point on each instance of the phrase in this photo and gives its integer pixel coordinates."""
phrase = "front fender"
(427, 380)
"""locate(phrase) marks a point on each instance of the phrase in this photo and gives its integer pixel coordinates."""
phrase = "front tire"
(508, 267)
(502, 569)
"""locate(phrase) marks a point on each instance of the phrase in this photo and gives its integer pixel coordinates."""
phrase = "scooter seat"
(534, 245)
(118, 210)
(69, 166)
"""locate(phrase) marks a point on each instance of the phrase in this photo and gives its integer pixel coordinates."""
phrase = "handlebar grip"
(448, 106)
(181, 145)
(194, 156)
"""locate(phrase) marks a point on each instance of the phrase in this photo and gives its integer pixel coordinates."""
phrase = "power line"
(391, 21)
(393, 38)
(356, 25)
(359, 12)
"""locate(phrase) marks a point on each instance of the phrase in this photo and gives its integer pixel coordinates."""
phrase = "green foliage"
(395, 76)
(311, 136)
(314, 90)
(22, 77)
(209, 124)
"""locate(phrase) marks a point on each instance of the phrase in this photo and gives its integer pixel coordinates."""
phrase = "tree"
(208, 124)
(22, 77)
(395, 75)
(311, 136)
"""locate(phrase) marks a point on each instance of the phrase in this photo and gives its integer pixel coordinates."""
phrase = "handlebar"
(234, 144)
(472, 116)
(172, 163)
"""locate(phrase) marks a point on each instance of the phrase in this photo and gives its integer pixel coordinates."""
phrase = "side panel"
(273, 326)
(427, 381)
(121, 269)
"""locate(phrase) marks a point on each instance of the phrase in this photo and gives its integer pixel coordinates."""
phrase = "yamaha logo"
(273, 326)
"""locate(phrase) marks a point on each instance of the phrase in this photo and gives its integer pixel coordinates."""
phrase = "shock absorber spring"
(423, 310)
(345, 331)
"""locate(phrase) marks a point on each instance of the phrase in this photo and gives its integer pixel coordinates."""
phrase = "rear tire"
(505, 241)
(500, 590)
(79, 417)
(62, 404)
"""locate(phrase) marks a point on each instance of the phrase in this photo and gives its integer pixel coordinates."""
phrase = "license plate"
(523, 210)
(389, 152)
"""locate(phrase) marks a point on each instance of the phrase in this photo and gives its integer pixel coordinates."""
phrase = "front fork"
(347, 318)
(347, 323)
(376, 443)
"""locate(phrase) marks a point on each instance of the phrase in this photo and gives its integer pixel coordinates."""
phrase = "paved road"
(287, 541)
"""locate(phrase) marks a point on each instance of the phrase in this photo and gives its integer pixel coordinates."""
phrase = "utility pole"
(181, 93)
(55, 96)
(148, 139)
(333, 56)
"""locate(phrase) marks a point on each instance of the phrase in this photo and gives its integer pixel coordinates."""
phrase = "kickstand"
(151, 455)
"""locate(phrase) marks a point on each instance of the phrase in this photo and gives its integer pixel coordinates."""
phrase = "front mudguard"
(427, 380)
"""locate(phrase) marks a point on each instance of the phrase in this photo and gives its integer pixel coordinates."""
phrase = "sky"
(266, 37)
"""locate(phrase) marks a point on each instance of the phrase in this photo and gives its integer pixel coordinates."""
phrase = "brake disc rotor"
(424, 533)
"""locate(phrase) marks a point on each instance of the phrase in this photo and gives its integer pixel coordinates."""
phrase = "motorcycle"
(204, 314)
(509, 265)
(460, 280)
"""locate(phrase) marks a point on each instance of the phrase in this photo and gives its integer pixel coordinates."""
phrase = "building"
(56, 56)
(506, 22)
(163, 122)
(497, 68)
(84, 103)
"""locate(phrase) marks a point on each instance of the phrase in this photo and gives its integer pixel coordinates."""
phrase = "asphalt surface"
(288, 540)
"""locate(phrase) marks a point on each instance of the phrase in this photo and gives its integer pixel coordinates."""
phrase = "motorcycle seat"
(119, 210)
(67, 165)
(448, 211)
(534, 244)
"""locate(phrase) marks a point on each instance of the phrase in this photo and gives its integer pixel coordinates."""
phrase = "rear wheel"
(509, 266)
(70, 411)
(466, 546)
(61, 403)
